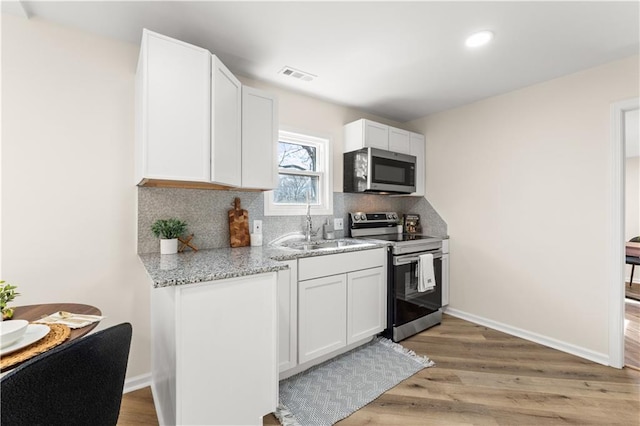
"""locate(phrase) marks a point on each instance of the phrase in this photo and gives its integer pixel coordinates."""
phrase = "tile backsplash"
(205, 212)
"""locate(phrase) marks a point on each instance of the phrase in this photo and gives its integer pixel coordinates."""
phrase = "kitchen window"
(304, 175)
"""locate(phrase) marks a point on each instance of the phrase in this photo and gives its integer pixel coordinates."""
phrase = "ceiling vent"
(297, 74)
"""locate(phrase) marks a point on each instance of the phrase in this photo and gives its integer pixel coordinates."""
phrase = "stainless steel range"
(409, 310)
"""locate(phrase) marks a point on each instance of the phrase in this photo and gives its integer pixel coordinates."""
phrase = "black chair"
(79, 383)
(633, 260)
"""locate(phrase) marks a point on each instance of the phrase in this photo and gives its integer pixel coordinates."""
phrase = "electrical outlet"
(337, 224)
(257, 227)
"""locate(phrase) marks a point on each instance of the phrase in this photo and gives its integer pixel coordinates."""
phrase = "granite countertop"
(217, 264)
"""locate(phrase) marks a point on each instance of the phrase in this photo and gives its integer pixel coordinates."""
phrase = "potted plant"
(168, 230)
(7, 294)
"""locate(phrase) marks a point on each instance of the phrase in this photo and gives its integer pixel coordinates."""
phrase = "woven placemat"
(58, 333)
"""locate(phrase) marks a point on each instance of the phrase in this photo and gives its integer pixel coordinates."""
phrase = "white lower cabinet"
(288, 316)
(214, 351)
(366, 303)
(342, 299)
(322, 309)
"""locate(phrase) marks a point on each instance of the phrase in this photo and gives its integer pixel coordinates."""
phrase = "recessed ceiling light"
(479, 39)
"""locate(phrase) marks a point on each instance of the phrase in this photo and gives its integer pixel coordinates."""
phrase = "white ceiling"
(399, 60)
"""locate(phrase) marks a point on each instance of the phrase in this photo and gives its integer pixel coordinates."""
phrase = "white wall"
(522, 180)
(68, 206)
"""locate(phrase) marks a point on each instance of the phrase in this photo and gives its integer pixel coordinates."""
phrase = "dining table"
(632, 249)
(33, 313)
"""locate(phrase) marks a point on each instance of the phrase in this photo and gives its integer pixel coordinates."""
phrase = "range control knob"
(395, 216)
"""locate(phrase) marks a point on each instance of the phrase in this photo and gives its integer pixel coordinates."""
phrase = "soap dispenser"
(327, 231)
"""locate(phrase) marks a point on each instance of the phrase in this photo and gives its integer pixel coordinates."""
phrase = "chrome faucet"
(308, 229)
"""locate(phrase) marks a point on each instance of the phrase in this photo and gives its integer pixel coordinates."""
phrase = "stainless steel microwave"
(376, 170)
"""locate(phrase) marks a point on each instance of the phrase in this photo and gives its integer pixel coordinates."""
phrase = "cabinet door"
(173, 128)
(259, 139)
(226, 114)
(322, 316)
(376, 135)
(226, 342)
(399, 141)
(288, 316)
(366, 303)
(419, 150)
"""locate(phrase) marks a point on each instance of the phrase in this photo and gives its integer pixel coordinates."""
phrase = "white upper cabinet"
(193, 123)
(366, 133)
(226, 127)
(418, 149)
(259, 139)
(399, 140)
(172, 101)
(363, 133)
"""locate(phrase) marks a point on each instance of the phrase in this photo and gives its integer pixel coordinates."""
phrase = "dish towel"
(426, 276)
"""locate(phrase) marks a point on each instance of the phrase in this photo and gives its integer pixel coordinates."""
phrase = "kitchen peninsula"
(215, 321)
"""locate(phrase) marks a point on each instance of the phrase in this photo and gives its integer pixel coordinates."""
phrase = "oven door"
(408, 303)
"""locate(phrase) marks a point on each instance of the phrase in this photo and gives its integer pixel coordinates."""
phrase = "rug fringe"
(285, 416)
(411, 354)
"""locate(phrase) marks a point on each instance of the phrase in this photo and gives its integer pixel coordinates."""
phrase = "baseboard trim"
(137, 382)
(581, 352)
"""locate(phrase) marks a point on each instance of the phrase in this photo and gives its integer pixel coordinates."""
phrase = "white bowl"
(11, 331)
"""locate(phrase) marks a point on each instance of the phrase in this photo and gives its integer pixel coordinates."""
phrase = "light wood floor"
(632, 291)
(483, 376)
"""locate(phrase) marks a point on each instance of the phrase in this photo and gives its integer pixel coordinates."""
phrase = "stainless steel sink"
(325, 245)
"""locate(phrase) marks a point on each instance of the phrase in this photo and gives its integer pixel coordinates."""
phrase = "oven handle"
(411, 258)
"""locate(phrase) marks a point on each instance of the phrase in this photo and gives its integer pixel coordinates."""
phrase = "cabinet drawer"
(340, 263)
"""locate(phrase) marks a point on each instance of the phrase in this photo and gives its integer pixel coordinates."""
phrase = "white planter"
(169, 246)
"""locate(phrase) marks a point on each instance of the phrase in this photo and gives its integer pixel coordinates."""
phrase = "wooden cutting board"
(239, 226)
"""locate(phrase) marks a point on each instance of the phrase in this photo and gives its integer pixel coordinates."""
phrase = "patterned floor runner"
(331, 391)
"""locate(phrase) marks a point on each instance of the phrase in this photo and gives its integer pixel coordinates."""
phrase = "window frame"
(323, 172)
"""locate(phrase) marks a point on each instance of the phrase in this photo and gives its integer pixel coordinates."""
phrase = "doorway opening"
(622, 116)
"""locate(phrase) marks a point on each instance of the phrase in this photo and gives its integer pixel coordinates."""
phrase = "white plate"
(34, 333)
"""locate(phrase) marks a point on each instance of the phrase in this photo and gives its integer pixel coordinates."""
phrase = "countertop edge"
(225, 263)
